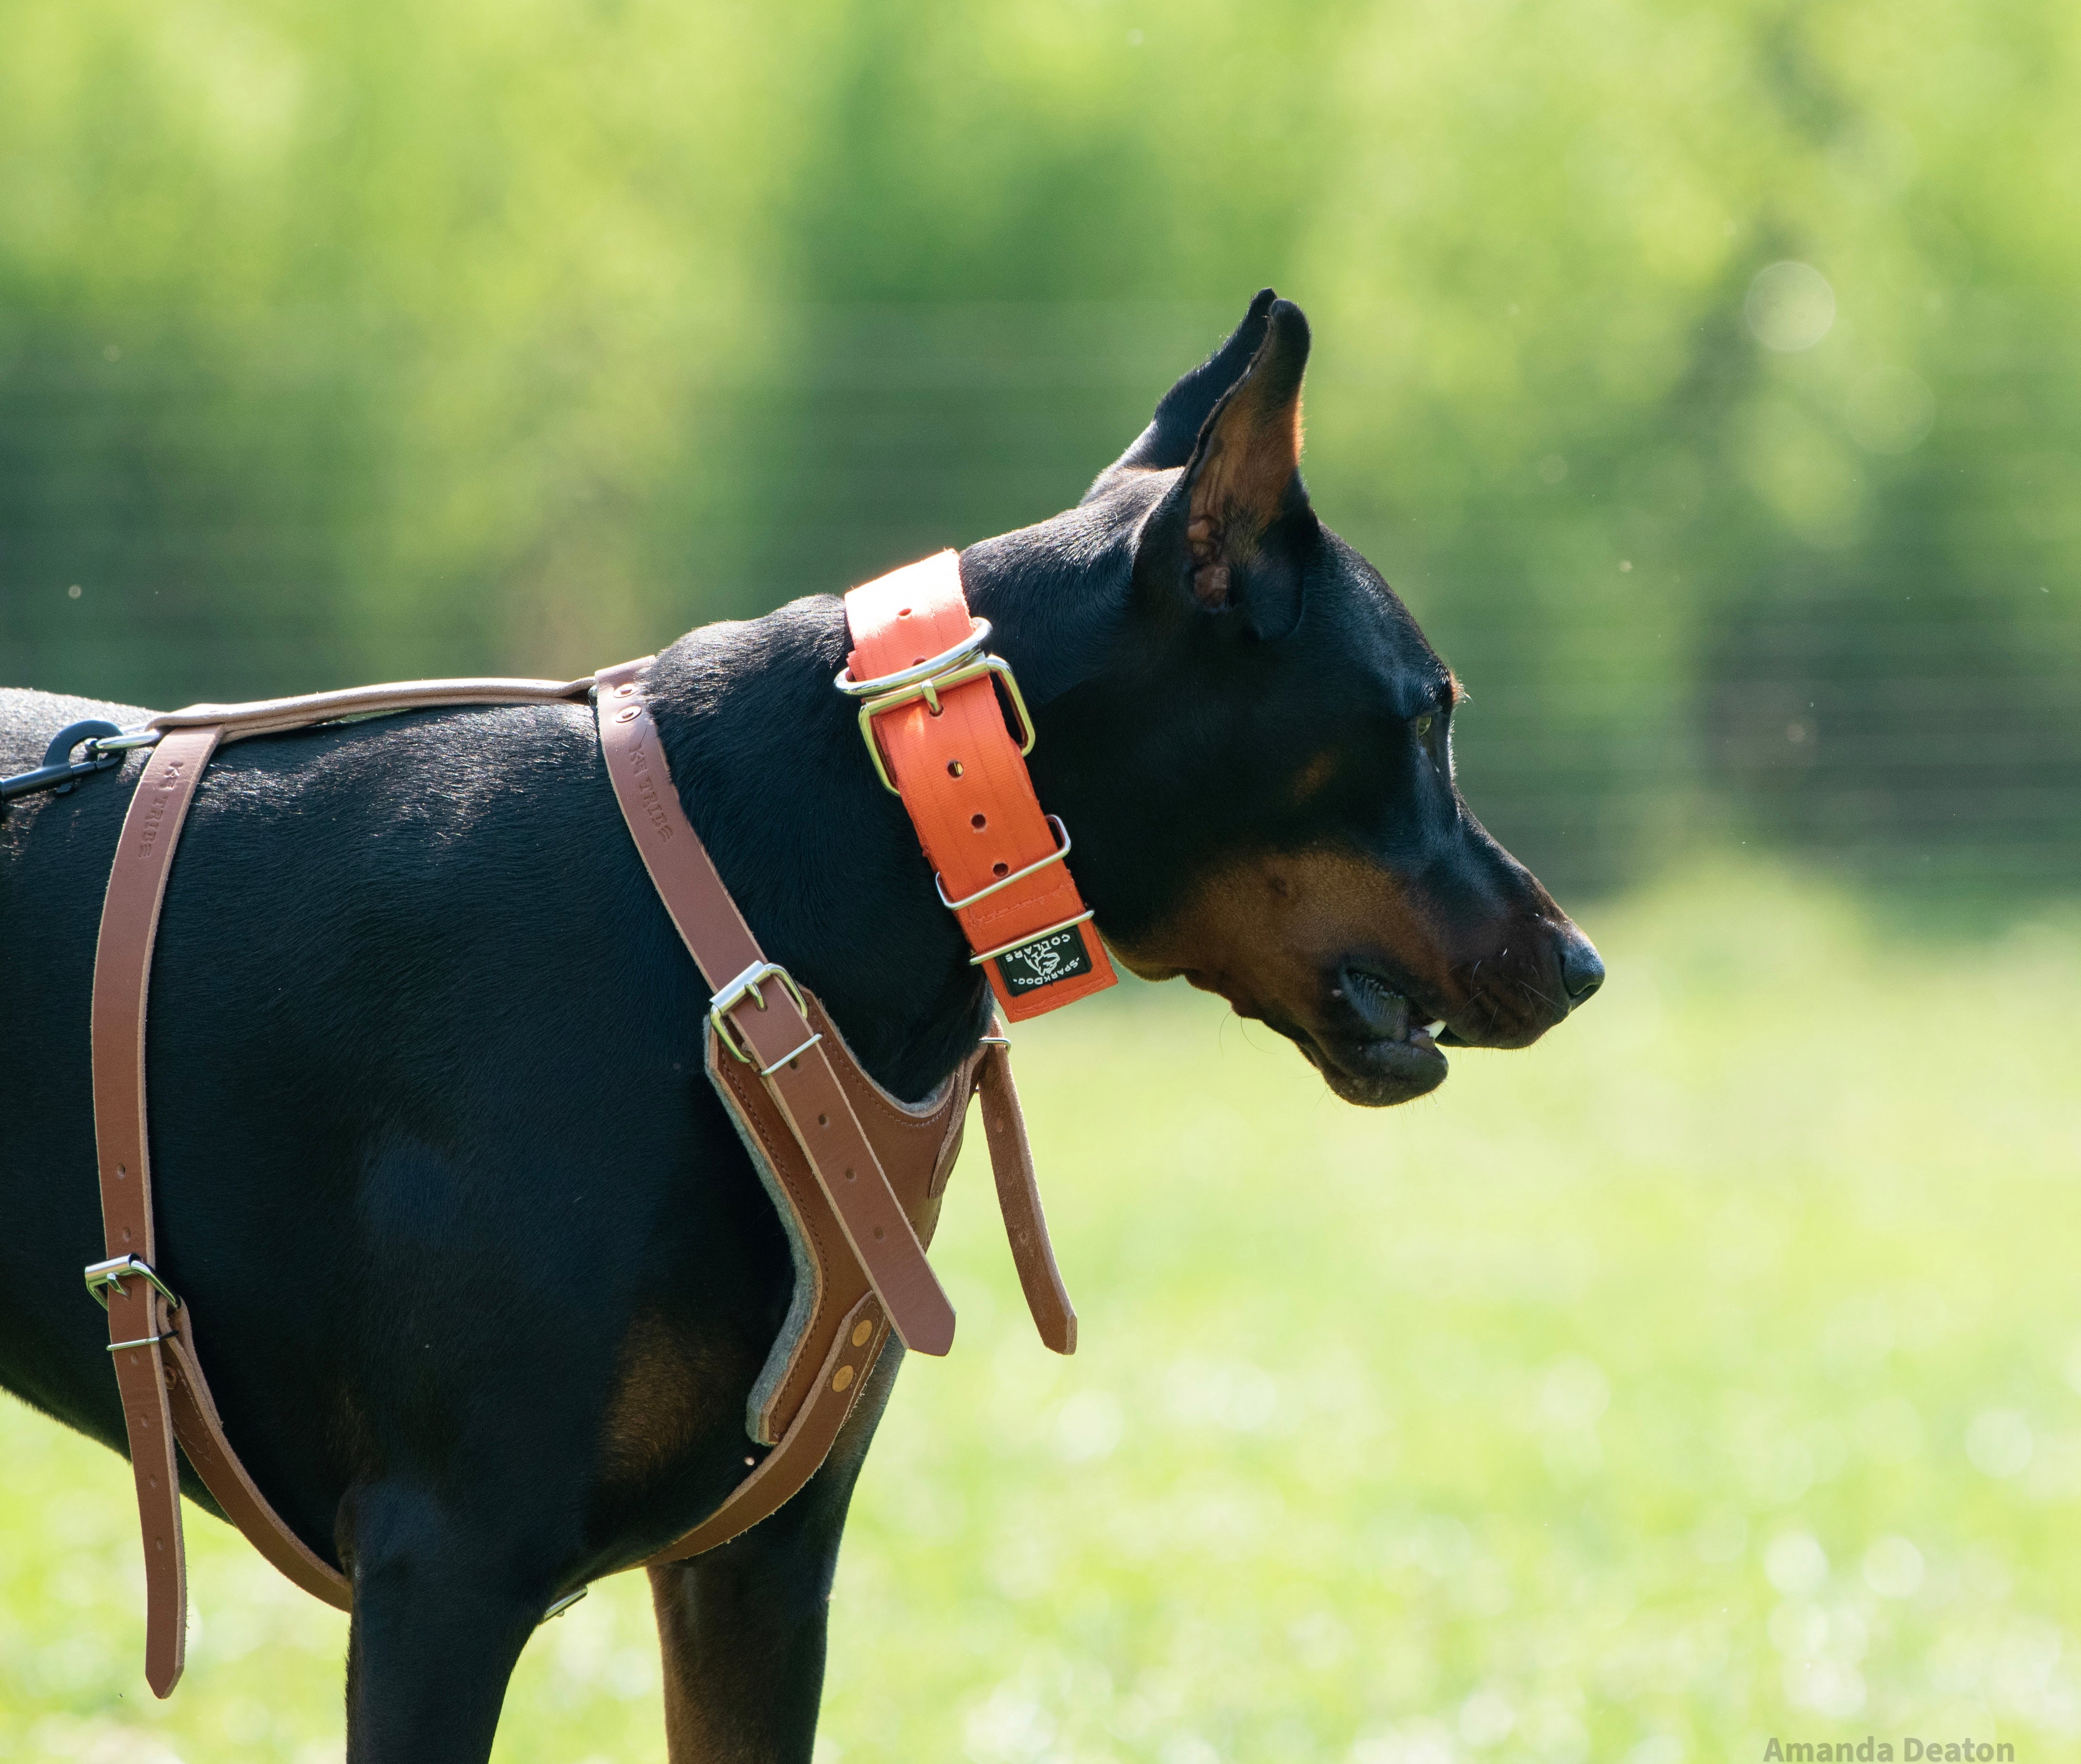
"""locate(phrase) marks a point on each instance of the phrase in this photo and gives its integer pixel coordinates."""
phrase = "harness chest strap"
(151, 1333)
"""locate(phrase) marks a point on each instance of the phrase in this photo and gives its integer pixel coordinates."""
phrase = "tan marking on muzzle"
(1266, 930)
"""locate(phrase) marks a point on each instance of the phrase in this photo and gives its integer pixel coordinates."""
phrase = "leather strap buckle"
(926, 679)
(101, 1276)
(745, 986)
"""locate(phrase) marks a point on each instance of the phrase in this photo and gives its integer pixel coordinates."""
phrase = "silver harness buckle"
(104, 1276)
(745, 986)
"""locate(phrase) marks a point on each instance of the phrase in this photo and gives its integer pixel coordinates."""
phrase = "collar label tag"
(1060, 955)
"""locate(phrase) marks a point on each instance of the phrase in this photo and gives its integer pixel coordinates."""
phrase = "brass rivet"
(841, 1378)
(860, 1331)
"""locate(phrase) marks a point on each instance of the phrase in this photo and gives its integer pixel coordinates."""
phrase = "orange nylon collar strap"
(936, 728)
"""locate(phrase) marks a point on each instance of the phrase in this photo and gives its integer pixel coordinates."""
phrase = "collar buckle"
(966, 661)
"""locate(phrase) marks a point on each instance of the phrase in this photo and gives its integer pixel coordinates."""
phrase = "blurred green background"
(340, 343)
(1707, 378)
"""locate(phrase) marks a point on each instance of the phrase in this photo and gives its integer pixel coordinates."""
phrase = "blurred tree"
(360, 341)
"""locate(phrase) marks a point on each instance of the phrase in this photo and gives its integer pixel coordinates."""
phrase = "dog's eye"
(1422, 727)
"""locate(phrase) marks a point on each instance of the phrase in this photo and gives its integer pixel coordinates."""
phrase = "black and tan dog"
(486, 1275)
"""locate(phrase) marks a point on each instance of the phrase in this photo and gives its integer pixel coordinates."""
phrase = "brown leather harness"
(855, 1174)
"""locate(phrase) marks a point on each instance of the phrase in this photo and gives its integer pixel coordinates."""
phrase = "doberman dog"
(486, 1272)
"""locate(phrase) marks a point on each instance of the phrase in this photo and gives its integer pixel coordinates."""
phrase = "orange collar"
(931, 717)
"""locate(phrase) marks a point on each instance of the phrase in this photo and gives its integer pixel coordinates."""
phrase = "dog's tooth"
(1431, 1029)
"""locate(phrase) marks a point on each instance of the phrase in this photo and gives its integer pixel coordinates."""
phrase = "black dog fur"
(480, 1273)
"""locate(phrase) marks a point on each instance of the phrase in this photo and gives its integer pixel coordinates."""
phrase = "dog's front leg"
(438, 1625)
(743, 1628)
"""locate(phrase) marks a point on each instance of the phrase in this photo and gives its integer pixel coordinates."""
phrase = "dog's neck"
(823, 862)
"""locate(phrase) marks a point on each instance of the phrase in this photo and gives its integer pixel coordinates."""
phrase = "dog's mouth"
(1377, 1045)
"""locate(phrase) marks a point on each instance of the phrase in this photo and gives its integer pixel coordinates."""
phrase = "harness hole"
(852, 1176)
(879, 1234)
(1000, 869)
(978, 822)
(953, 768)
(823, 1121)
(905, 613)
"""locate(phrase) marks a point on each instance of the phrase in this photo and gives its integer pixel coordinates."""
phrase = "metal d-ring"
(926, 679)
(971, 645)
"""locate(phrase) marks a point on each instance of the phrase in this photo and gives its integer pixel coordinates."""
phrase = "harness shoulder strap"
(774, 1035)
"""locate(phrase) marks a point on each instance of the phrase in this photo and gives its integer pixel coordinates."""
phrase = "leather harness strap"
(139, 1320)
(773, 1032)
(1019, 1199)
(781, 1066)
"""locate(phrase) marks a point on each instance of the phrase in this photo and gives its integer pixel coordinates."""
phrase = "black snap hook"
(58, 770)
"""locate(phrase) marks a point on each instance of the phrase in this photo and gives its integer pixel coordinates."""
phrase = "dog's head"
(1256, 760)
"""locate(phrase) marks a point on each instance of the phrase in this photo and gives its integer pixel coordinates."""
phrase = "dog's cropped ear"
(1243, 482)
(1167, 443)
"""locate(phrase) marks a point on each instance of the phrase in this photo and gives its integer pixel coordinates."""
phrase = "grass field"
(1710, 1373)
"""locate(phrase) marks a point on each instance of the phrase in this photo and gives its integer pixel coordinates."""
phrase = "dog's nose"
(1582, 968)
